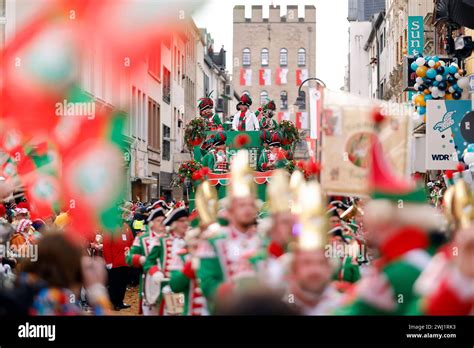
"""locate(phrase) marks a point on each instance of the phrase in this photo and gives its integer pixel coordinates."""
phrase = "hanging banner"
(315, 99)
(347, 133)
(449, 129)
(245, 77)
(416, 35)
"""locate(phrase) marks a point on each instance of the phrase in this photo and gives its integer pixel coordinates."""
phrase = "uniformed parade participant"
(226, 257)
(140, 249)
(163, 259)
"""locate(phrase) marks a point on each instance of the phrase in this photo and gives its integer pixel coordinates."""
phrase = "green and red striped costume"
(184, 280)
(389, 289)
(161, 259)
(226, 262)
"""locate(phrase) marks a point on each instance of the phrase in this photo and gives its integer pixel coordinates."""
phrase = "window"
(166, 85)
(153, 124)
(206, 84)
(264, 57)
(301, 57)
(154, 61)
(284, 100)
(166, 155)
(283, 57)
(2, 8)
(263, 97)
(302, 95)
(246, 57)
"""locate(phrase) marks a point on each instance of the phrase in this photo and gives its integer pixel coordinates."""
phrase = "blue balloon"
(414, 66)
(457, 88)
(427, 58)
(435, 58)
(422, 110)
(457, 95)
(428, 97)
(452, 69)
(431, 73)
(429, 81)
(451, 78)
(440, 70)
(442, 86)
(436, 83)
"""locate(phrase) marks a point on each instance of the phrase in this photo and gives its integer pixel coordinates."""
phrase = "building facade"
(273, 55)
(358, 65)
(158, 99)
(363, 10)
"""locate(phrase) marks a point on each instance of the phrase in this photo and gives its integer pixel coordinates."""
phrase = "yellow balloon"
(421, 71)
(420, 100)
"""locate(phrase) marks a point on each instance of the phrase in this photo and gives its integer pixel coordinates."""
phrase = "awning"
(147, 180)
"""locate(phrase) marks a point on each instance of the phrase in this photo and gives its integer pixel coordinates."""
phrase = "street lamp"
(300, 100)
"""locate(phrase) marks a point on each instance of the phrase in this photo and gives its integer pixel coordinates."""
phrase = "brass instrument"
(207, 203)
(458, 202)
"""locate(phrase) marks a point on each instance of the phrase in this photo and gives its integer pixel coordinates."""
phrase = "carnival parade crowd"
(408, 249)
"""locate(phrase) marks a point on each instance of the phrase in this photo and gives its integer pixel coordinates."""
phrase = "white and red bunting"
(265, 77)
(245, 77)
(301, 75)
(281, 76)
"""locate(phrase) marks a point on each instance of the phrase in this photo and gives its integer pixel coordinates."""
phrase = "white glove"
(142, 260)
(158, 277)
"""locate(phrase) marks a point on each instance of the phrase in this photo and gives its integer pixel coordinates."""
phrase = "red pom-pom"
(205, 171)
(259, 109)
(417, 176)
(241, 140)
(196, 176)
(449, 174)
(264, 166)
(300, 165)
(22, 205)
(377, 117)
(313, 168)
(281, 155)
(460, 167)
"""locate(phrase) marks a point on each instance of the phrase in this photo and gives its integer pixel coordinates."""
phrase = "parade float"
(213, 144)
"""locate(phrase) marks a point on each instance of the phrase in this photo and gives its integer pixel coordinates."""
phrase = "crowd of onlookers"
(45, 271)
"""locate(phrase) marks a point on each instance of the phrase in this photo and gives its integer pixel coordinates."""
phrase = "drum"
(174, 303)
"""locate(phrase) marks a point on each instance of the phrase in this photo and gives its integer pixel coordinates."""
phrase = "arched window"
(302, 105)
(264, 57)
(263, 97)
(246, 57)
(283, 57)
(284, 100)
(301, 57)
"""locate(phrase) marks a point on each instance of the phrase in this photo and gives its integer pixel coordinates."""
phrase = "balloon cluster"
(436, 80)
